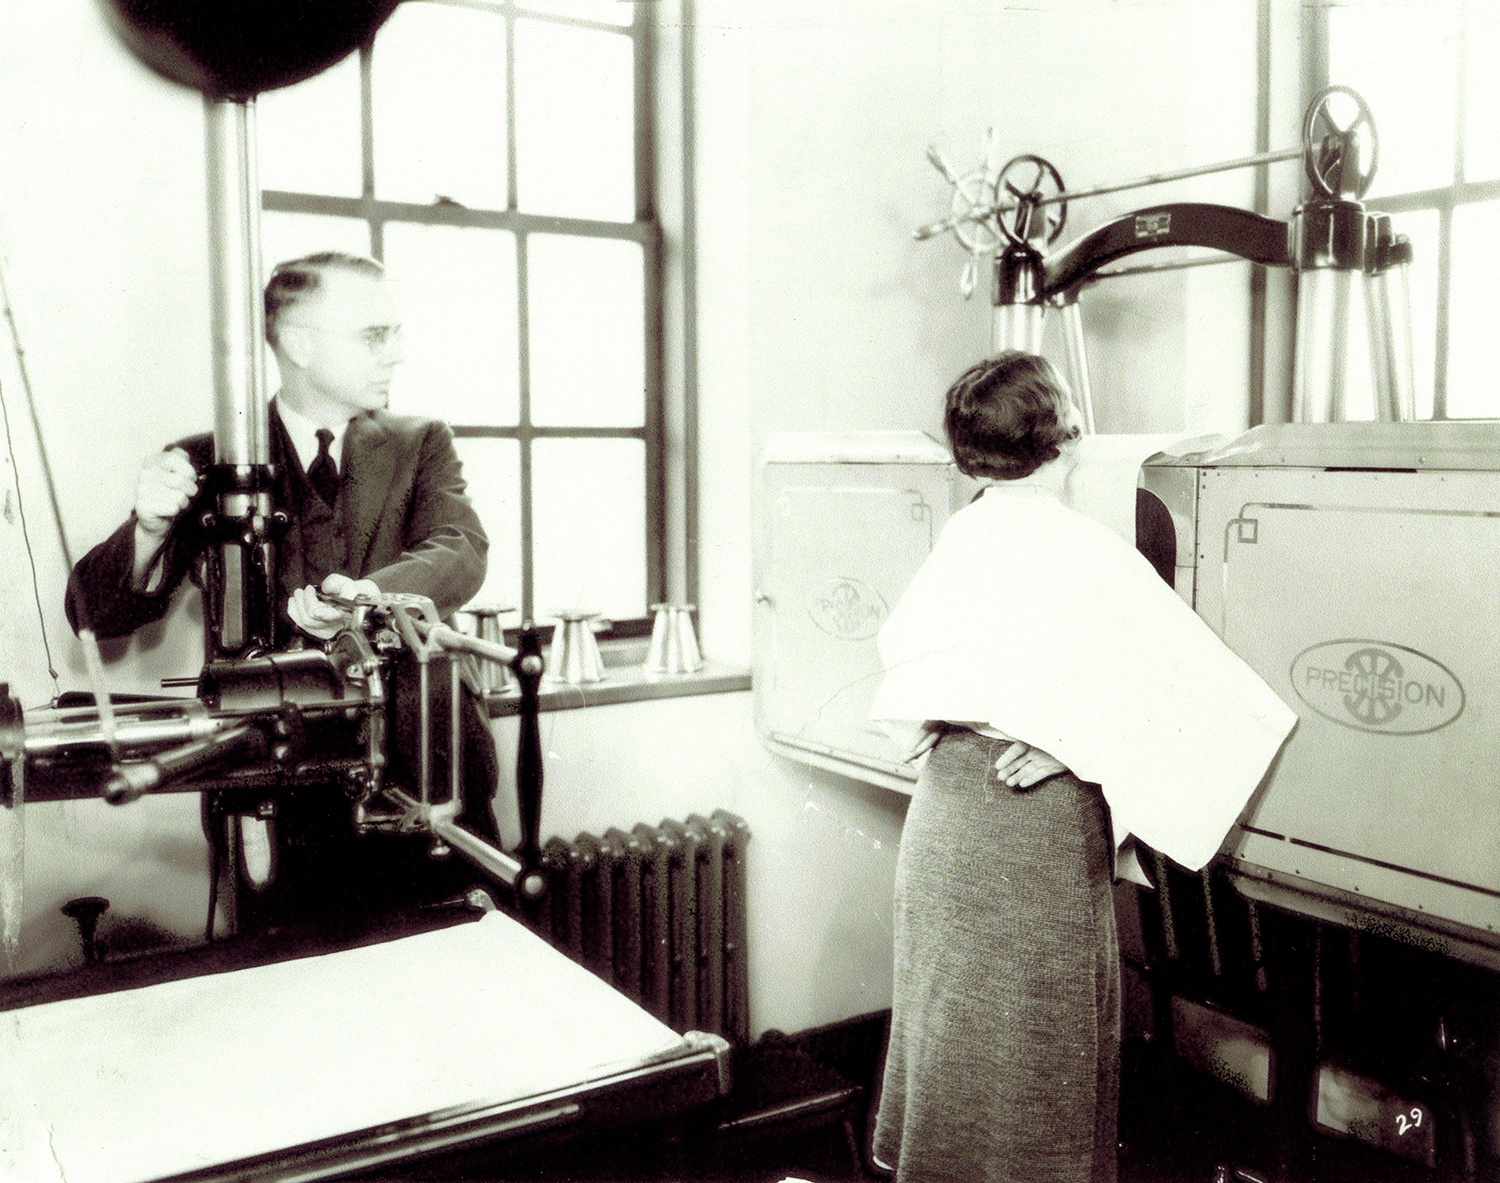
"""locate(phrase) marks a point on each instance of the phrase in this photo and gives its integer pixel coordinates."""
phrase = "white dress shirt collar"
(304, 436)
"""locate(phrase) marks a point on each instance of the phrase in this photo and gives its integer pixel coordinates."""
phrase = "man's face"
(352, 340)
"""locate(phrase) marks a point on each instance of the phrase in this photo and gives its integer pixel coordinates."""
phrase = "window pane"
(1402, 60)
(575, 125)
(438, 100)
(1473, 345)
(493, 470)
(589, 527)
(309, 137)
(290, 236)
(588, 332)
(457, 292)
(1482, 102)
(606, 12)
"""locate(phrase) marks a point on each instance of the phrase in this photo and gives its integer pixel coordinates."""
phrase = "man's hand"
(1021, 766)
(167, 482)
(320, 619)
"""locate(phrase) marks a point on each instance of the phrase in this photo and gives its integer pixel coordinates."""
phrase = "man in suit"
(375, 503)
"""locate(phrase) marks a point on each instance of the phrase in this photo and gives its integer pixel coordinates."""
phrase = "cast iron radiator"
(659, 912)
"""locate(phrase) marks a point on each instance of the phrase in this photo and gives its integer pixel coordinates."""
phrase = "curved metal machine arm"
(1328, 240)
(1191, 224)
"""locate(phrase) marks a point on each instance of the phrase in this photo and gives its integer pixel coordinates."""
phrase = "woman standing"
(1064, 697)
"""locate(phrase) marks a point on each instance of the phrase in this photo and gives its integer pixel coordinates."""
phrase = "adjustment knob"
(85, 912)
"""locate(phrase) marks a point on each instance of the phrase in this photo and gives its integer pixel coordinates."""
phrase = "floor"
(799, 1110)
(1174, 1129)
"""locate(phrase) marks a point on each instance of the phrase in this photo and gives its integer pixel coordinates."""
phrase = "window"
(1430, 72)
(496, 156)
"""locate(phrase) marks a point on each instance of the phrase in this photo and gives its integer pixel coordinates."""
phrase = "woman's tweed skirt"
(1004, 1053)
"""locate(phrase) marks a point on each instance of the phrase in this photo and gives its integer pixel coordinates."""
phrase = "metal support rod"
(133, 778)
(979, 213)
(499, 864)
(455, 732)
(1182, 174)
(449, 638)
(1388, 314)
(1078, 363)
(424, 729)
(146, 733)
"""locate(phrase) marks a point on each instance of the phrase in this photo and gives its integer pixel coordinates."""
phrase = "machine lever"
(528, 668)
(451, 639)
(499, 864)
(133, 778)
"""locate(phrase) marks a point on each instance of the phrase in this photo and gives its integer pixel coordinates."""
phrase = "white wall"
(816, 310)
(104, 243)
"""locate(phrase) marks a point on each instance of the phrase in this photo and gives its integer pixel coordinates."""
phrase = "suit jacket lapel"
(283, 456)
(371, 471)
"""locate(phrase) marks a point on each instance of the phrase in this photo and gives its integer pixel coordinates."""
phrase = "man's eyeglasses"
(375, 338)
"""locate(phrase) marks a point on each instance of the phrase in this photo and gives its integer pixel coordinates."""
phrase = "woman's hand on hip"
(1022, 766)
(926, 739)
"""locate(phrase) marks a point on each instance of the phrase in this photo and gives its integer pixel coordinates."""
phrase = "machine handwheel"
(1340, 154)
(1028, 180)
(1373, 669)
(973, 223)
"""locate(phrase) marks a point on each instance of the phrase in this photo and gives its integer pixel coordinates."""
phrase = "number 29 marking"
(1408, 1121)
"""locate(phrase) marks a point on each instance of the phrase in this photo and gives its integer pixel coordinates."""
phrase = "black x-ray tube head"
(236, 49)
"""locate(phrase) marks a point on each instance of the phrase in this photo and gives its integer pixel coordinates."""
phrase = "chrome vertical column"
(1330, 241)
(1078, 362)
(241, 601)
(241, 429)
(1019, 308)
(1328, 247)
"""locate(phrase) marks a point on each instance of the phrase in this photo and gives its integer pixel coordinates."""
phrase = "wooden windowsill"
(625, 681)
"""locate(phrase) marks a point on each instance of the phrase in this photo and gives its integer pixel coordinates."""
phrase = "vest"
(323, 528)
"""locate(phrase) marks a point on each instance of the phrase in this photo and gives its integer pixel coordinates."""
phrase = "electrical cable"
(36, 423)
(215, 870)
(86, 636)
(36, 588)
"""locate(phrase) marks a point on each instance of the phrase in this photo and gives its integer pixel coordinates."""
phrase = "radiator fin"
(659, 912)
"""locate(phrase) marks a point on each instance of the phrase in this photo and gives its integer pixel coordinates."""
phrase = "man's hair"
(297, 279)
(1004, 416)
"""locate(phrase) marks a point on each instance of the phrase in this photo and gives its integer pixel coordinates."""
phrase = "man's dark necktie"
(323, 472)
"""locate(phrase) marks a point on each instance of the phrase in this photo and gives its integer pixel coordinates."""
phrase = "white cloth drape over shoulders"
(1046, 625)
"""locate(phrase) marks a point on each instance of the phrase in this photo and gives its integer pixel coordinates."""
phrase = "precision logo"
(848, 609)
(1377, 686)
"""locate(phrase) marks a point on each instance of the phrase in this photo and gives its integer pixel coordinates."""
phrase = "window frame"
(645, 230)
(1444, 200)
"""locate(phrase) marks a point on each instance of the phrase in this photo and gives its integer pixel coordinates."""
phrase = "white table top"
(139, 1084)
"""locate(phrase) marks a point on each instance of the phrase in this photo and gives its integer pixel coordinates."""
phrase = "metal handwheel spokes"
(1029, 188)
(972, 210)
(1339, 143)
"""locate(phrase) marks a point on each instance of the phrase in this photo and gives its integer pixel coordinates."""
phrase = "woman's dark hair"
(1005, 416)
